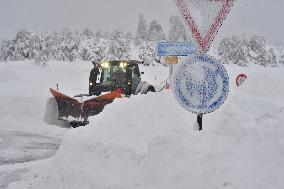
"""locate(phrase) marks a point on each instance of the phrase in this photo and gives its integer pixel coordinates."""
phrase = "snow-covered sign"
(200, 84)
(240, 79)
(175, 49)
(171, 59)
(204, 18)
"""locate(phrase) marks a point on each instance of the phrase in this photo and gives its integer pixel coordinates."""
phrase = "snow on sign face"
(200, 84)
(204, 18)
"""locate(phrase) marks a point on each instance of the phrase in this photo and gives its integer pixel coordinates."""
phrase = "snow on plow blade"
(70, 107)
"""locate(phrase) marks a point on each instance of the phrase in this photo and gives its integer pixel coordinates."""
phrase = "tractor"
(122, 75)
(108, 80)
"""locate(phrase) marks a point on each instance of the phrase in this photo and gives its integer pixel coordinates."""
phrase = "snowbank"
(25, 92)
(148, 141)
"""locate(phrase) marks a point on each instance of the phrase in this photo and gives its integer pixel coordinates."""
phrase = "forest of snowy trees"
(84, 45)
(98, 45)
(243, 50)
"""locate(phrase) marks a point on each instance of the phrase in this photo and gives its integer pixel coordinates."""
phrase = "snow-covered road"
(25, 135)
(28, 131)
(21, 147)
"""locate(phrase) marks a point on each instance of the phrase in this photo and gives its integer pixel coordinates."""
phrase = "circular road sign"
(240, 79)
(200, 84)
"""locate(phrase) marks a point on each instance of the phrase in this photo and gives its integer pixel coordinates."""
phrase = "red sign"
(240, 79)
(204, 18)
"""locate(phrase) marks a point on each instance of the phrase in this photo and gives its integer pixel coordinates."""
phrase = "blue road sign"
(175, 49)
(200, 84)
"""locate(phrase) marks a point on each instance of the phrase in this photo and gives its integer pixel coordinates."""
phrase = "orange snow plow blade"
(68, 106)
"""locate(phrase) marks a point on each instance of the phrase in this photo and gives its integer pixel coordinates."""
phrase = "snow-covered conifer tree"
(142, 29)
(88, 33)
(231, 50)
(21, 45)
(273, 60)
(119, 48)
(156, 32)
(177, 32)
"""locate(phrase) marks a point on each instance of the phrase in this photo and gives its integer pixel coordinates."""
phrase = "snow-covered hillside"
(25, 135)
(148, 141)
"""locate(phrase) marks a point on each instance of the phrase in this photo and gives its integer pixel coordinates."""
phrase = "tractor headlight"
(123, 64)
(105, 64)
(91, 83)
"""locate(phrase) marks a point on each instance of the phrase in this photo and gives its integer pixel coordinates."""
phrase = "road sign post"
(171, 51)
(204, 18)
(200, 85)
(199, 121)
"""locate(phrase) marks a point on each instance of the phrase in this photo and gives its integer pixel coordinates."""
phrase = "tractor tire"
(150, 89)
(147, 88)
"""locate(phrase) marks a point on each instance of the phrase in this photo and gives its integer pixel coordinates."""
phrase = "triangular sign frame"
(204, 42)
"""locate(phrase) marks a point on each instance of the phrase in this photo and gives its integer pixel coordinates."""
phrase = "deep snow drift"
(25, 135)
(29, 130)
(148, 141)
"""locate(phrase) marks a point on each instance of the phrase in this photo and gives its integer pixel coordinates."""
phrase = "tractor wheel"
(150, 89)
(147, 88)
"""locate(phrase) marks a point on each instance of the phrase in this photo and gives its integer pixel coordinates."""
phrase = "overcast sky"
(260, 17)
(48, 15)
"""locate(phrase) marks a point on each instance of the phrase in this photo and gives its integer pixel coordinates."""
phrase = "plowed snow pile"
(148, 141)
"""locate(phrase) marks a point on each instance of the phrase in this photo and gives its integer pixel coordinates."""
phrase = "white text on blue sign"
(175, 49)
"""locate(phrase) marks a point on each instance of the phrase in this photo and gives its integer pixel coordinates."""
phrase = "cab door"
(128, 88)
(136, 78)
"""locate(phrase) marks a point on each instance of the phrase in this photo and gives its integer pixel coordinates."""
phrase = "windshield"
(114, 73)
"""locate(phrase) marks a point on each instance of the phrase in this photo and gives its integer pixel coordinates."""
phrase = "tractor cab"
(114, 75)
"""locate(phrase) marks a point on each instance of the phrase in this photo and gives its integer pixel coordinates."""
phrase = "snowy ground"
(24, 95)
(148, 141)
(26, 111)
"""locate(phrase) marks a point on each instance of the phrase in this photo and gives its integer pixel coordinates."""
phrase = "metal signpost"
(171, 51)
(201, 84)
